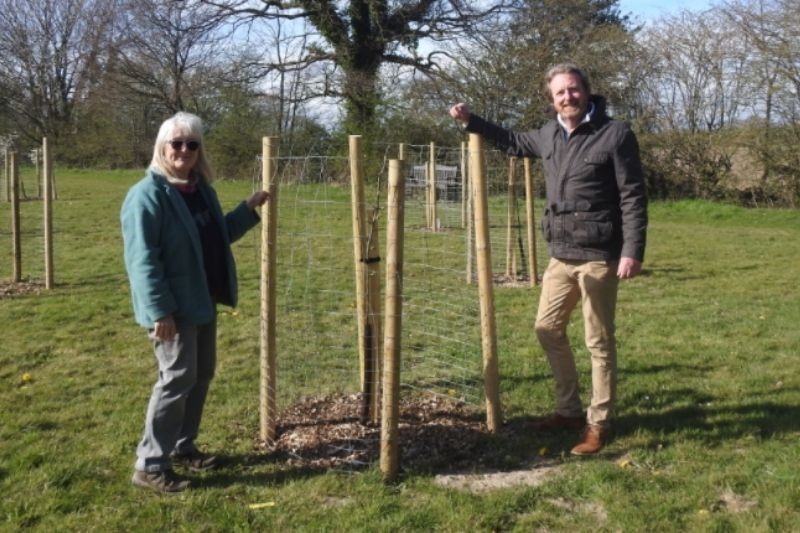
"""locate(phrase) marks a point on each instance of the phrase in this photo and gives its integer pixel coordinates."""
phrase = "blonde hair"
(184, 123)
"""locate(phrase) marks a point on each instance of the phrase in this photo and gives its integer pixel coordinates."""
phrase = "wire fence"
(319, 389)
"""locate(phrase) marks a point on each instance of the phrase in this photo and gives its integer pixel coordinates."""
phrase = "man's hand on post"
(460, 112)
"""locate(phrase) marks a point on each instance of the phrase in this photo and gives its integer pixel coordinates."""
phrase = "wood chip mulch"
(513, 282)
(10, 289)
(435, 432)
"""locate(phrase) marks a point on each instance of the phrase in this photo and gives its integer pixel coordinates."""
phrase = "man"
(595, 224)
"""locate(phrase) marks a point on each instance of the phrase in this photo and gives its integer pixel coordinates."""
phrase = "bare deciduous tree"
(354, 39)
(172, 52)
(699, 77)
(500, 71)
(773, 28)
(50, 53)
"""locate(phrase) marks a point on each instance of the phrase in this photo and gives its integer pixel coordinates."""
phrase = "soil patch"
(11, 289)
(533, 476)
(512, 282)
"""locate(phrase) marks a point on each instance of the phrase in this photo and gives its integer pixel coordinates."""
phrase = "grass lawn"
(707, 433)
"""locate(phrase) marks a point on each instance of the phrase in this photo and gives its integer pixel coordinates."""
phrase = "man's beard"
(571, 111)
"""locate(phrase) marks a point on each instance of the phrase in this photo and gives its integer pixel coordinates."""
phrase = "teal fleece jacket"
(164, 255)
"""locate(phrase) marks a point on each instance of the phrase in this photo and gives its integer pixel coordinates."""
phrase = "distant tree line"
(714, 95)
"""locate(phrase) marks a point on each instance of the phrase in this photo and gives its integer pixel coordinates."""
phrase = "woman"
(179, 262)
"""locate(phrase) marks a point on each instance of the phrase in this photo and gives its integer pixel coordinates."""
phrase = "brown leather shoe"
(195, 460)
(166, 481)
(593, 440)
(557, 422)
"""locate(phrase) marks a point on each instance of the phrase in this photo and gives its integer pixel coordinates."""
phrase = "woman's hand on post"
(258, 199)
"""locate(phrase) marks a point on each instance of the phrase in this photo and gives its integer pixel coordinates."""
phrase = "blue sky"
(648, 10)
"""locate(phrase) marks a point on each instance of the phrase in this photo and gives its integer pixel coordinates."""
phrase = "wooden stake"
(269, 233)
(47, 163)
(37, 158)
(464, 184)
(533, 267)
(470, 193)
(511, 270)
(483, 249)
(359, 251)
(16, 241)
(433, 215)
(395, 206)
(373, 372)
(7, 176)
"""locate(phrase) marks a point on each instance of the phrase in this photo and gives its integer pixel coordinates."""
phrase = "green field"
(707, 428)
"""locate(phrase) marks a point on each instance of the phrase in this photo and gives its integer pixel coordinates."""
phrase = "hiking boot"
(165, 481)
(195, 460)
(557, 422)
(593, 440)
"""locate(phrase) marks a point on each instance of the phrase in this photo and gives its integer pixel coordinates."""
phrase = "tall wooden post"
(432, 211)
(47, 163)
(16, 241)
(373, 338)
(7, 176)
(359, 252)
(53, 186)
(483, 249)
(469, 192)
(533, 267)
(428, 178)
(37, 163)
(394, 312)
(269, 252)
(511, 257)
(464, 184)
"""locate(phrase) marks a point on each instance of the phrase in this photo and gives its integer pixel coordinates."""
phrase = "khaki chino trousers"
(594, 283)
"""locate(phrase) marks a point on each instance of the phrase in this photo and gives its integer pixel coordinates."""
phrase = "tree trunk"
(361, 99)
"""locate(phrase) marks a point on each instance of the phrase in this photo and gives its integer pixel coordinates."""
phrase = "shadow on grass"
(673, 273)
(673, 368)
(713, 422)
(254, 470)
(425, 449)
(704, 420)
(688, 413)
(443, 441)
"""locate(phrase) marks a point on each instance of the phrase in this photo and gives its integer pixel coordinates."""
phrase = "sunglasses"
(190, 145)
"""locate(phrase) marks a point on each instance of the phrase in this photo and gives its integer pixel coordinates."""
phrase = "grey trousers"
(185, 369)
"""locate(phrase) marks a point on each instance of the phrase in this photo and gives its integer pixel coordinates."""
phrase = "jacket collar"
(596, 112)
(586, 118)
(599, 115)
(179, 205)
(595, 115)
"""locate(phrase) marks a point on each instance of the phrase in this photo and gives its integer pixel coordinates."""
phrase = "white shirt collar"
(586, 118)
